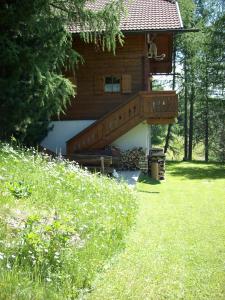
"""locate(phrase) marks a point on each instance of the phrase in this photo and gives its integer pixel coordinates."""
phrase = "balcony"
(160, 107)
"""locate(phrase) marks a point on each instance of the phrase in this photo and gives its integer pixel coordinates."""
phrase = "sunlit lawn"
(177, 249)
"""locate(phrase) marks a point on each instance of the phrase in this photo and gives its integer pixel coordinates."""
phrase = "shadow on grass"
(147, 179)
(197, 170)
(143, 191)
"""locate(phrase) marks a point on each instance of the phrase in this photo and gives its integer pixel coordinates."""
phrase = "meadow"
(59, 225)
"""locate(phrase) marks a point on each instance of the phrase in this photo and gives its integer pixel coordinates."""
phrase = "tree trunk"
(168, 135)
(185, 112)
(191, 119)
(206, 119)
(207, 132)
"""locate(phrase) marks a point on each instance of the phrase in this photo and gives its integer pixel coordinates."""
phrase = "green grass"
(177, 249)
(58, 225)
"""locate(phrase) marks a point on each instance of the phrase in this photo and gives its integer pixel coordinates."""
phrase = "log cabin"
(114, 102)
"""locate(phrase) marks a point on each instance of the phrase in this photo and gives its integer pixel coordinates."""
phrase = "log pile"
(143, 165)
(130, 159)
(156, 155)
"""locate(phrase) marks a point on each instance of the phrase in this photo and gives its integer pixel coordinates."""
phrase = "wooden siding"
(91, 102)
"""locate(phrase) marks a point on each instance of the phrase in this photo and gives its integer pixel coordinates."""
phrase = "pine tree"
(36, 50)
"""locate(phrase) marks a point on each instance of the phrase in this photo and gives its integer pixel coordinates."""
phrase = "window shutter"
(98, 84)
(126, 84)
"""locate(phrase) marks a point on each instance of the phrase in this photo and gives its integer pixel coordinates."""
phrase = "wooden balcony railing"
(152, 106)
(160, 104)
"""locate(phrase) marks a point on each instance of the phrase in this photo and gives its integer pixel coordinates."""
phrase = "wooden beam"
(146, 72)
(161, 121)
(93, 160)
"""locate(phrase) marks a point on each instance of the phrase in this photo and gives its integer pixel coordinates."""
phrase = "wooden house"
(115, 104)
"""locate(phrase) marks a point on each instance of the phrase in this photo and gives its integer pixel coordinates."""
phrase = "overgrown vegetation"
(58, 225)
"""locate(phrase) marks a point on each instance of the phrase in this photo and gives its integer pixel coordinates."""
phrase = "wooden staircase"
(158, 107)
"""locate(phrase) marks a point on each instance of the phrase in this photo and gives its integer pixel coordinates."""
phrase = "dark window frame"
(115, 82)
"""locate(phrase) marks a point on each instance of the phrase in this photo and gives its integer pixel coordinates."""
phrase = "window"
(112, 84)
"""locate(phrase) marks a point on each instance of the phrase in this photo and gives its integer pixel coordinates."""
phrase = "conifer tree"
(36, 50)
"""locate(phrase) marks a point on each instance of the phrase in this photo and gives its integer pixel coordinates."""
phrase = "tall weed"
(58, 225)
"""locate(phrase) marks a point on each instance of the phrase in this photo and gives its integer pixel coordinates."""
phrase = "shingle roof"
(145, 15)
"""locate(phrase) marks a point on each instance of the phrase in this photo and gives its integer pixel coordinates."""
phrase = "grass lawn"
(177, 248)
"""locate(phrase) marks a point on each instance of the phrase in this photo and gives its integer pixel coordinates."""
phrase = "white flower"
(8, 266)
(2, 255)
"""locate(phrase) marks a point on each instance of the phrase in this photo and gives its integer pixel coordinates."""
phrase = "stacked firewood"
(143, 164)
(130, 159)
(156, 155)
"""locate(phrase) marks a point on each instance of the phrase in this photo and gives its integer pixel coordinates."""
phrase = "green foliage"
(36, 51)
(201, 84)
(158, 134)
(187, 8)
(19, 189)
(58, 225)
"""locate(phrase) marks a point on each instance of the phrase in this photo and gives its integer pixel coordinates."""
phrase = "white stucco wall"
(139, 136)
(62, 131)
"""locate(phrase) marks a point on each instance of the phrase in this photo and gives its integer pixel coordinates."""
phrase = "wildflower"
(8, 266)
(48, 279)
(2, 255)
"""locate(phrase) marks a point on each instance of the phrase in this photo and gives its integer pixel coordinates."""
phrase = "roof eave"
(179, 15)
(169, 30)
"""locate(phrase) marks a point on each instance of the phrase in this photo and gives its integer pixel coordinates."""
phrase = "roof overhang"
(143, 16)
(181, 30)
(144, 31)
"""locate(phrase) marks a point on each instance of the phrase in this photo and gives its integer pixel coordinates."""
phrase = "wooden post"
(146, 73)
(146, 67)
(102, 165)
(150, 81)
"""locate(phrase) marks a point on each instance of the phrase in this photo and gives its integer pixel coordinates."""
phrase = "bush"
(58, 225)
